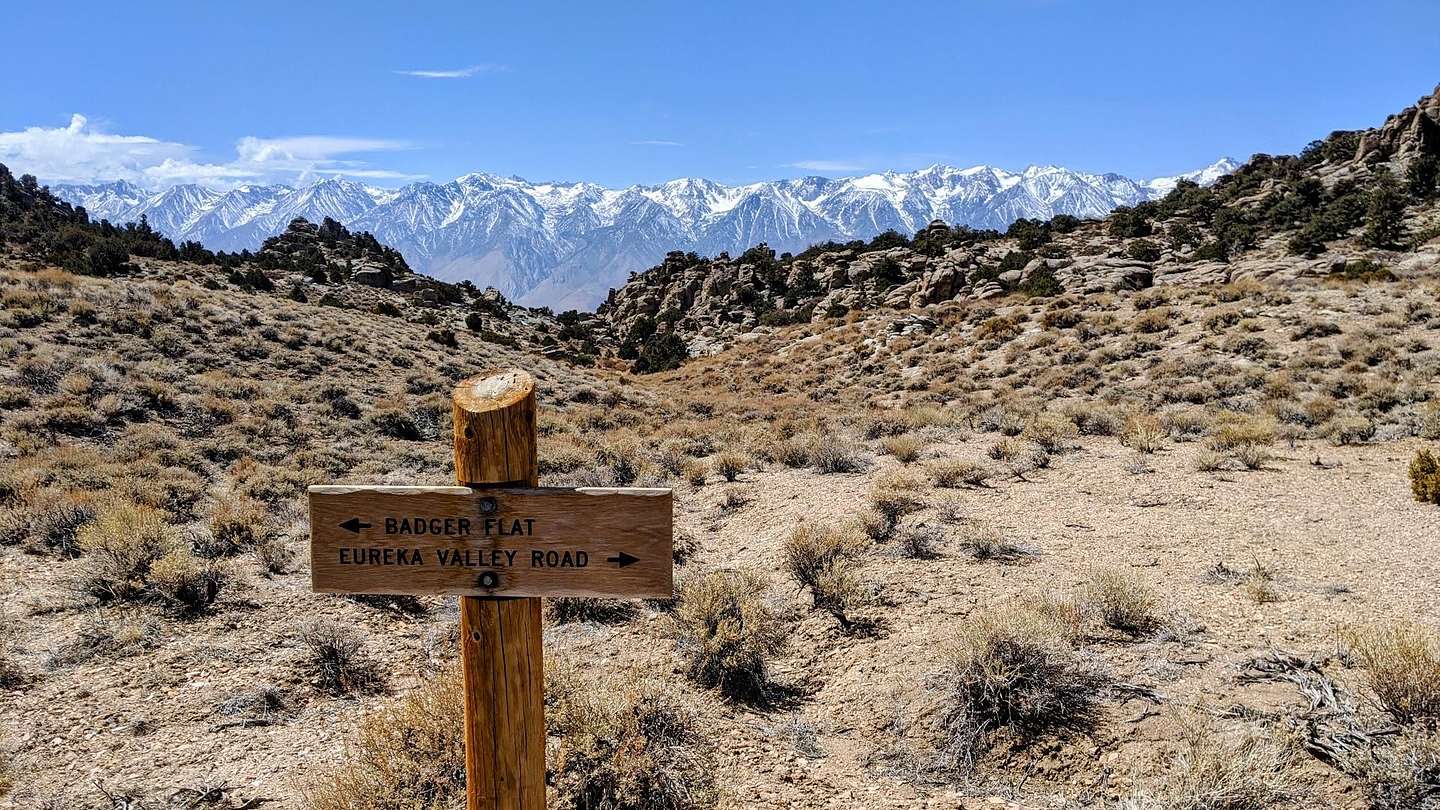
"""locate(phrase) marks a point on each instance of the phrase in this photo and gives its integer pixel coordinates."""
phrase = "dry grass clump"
(335, 655)
(1209, 461)
(1260, 585)
(408, 754)
(1012, 672)
(955, 472)
(905, 447)
(567, 609)
(1143, 433)
(1123, 602)
(897, 494)
(820, 558)
(134, 554)
(1216, 771)
(1403, 668)
(730, 464)
(631, 741)
(833, 453)
(726, 632)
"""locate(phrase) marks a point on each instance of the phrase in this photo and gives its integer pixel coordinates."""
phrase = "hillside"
(563, 245)
(1114, 532)
(1354, 202)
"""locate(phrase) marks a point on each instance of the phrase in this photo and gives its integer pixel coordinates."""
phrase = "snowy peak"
(1161, 186)
(564, 244)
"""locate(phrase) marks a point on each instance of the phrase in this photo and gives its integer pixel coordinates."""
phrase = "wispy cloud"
(824, 166)
(81, 152)
(656, 143)
(458, 73)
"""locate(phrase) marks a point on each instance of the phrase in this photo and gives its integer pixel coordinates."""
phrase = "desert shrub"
(1052, 432)
(1185, 423)
(408, 754)
(885, 423)
(1143, 433)
(726, 632)
(905, 447)
(1208, 461)
(1425, 477)
(695, 472)
(567, 609)
(1236, 430)
(684, 547)
(793, 452)
(1123, 602)
(1152, 321)
(954, 472)
(52, 521)
(1002, 420)
(125, 544)
(275, 554)
(730, 464)
(628, 743)
(1217, 771)
(1350, 429)
(1252, 456)
(1402, 661)
(184, 580)
(1013, 672)
(336, 657)
(984, 543)
(396, 422)
(819, 558)
(1095, 420)
(832, 453)
(239, 524)
(1401, 776)
(921, 542)
(896, 495)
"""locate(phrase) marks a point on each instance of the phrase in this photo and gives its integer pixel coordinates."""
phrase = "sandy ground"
(1344, 537)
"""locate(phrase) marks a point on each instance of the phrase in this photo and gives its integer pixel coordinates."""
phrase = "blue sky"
(628, 92)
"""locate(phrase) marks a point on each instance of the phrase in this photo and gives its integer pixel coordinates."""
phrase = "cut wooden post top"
(493, 390)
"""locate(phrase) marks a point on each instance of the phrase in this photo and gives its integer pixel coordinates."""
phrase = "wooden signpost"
(498, 541)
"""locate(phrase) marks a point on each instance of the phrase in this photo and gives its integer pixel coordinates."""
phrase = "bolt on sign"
(499, 542)
(538, 541)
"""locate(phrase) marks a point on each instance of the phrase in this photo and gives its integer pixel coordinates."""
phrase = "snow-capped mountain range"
(565, 245)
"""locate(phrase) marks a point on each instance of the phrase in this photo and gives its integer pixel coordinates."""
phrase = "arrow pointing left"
(355, 525)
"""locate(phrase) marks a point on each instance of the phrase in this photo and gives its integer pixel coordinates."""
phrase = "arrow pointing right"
(622, 559)
(354, 525)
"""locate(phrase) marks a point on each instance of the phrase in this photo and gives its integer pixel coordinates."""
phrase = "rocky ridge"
(1243, 227)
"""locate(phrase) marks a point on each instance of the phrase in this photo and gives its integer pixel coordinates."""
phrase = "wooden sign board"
(543, 541)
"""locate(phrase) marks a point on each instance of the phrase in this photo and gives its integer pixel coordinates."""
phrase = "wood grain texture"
(495, 444)
(494, 426)
(442, 540)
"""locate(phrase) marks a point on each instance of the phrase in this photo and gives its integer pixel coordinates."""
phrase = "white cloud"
(824, 166)
(82, 153)
(458, 73)
(656, 143)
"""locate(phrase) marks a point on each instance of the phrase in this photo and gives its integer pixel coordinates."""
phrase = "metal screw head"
(489, 579)
(488, 505)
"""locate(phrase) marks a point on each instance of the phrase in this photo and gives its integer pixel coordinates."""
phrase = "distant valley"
(565, 245)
